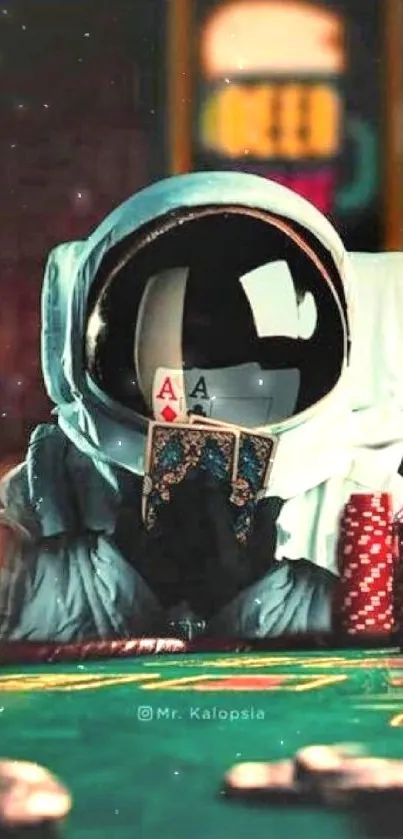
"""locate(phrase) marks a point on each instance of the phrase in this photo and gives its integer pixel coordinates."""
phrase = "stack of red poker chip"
(398, 582)
(364, 601)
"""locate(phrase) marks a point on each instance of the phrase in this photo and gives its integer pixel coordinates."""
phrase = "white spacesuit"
(377, 349)
(243, 293)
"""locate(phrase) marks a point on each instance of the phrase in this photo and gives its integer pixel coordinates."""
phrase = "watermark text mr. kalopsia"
(197, 713)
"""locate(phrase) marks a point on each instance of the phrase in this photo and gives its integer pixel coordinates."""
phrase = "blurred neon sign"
(271, 120)
(272, 92)
(272, 37)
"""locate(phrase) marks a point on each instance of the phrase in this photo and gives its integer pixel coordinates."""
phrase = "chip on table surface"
(30, 795)
(329, 774)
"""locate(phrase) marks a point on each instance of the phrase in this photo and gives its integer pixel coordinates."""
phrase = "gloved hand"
(192, 554)
(196, 531)
(152, 553)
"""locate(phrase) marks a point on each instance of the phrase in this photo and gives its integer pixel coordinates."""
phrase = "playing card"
(255, 460)
(256, 452)
(243, 395)
(168, 396)
(173, 451)
(255, 449)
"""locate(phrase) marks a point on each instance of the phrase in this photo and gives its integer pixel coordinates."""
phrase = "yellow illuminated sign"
(269, 37)
(291, 121)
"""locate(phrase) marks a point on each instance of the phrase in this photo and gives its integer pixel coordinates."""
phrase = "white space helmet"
(229, 312)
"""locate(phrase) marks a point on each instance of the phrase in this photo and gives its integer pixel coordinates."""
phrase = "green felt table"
(143, 743)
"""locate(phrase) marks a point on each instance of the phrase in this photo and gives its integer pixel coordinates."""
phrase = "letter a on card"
(169, 403)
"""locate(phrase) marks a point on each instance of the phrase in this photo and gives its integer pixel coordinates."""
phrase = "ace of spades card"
(176, 450)
(256, 453)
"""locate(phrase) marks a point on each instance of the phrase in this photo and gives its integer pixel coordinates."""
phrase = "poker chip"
(30, 795)
(364, 597)
(398, 581)
(252, 779)
(338, 775)
(315, 764)
(366, 780)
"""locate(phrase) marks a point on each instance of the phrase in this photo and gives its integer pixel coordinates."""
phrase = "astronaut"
(242, 290)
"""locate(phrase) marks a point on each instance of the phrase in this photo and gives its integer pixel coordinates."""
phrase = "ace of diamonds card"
(168, 396)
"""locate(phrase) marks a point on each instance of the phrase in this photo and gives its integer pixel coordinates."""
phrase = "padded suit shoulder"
(57, 490)
(65, 579)
(15, 500)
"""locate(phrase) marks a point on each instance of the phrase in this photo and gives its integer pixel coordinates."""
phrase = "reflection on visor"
(276, 308)
(246, 395)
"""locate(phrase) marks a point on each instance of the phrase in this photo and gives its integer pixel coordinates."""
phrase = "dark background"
(364, 95)
(81, 115)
